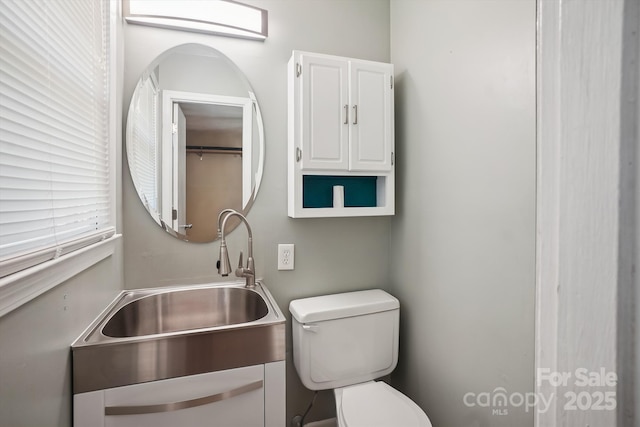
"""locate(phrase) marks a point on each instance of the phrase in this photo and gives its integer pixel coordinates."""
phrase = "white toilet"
(344, 342)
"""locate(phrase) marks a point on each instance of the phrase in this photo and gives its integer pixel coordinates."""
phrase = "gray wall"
(628, 338)
(35, 339)
(463, 239)
(332, 255)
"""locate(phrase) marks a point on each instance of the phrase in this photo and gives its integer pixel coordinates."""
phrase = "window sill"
(23, 286)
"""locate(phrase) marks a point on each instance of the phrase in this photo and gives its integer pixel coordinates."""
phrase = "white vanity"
(184, 356)
(341, 133)
(252, 396)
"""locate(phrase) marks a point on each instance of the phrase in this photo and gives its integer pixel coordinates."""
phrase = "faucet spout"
(224, 266)
(222, 214)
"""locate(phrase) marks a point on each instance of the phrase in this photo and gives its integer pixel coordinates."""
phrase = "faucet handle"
(240, 260)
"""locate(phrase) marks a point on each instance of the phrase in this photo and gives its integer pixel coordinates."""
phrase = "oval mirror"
(194, 141)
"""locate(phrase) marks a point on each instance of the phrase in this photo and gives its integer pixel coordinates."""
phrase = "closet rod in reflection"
(214, 150)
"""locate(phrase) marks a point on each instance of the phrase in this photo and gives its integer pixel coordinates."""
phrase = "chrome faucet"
(224, 266)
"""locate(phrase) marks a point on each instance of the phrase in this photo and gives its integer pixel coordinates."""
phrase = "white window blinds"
(54, 121)
(143, 156)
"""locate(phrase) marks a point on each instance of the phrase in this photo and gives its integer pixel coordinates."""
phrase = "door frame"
(587, 194)
(171, 97)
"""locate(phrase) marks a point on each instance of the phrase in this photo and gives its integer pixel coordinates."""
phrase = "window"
(56, 189)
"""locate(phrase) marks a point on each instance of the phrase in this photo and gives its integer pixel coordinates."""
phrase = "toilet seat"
(376, 404)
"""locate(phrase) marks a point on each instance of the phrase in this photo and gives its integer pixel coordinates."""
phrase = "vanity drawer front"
(230, 398)
(216, 398)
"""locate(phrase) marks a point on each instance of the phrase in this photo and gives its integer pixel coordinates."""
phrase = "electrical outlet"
(285, 256)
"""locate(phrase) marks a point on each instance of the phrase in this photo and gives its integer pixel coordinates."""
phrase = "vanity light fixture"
(222, 17)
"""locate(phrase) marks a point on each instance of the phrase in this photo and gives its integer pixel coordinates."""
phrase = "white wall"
(332, 255)
(463, 239)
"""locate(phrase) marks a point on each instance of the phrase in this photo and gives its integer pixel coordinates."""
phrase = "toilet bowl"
(345, 342)
(377, 404)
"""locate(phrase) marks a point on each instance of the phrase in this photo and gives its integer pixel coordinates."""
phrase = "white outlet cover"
(286, 256)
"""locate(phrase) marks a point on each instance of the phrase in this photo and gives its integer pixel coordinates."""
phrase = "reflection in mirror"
(195, 141)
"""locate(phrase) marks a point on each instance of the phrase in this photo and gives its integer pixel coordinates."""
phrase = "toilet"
(345, 342)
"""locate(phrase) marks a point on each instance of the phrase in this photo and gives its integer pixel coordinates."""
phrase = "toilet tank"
(344, 339)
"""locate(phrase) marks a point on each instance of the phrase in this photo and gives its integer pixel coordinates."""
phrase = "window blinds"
(54, 121)
(143, 155)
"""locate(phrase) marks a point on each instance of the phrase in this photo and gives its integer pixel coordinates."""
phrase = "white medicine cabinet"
(341, 134)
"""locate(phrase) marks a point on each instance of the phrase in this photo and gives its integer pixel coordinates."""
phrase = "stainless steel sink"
(151, 334)
(186, 309)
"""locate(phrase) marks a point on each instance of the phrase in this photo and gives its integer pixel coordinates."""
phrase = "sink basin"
(186, 309)
(158, 333)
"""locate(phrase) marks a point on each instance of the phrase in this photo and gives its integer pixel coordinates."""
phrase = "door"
(248, 178)
(371, 116)
(324, 110)
(179, 168)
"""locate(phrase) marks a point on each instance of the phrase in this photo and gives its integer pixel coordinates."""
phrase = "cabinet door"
(371, 116)
(232, 398)
(324, 108)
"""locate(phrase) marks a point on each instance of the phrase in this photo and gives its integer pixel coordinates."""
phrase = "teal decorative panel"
(359, 191)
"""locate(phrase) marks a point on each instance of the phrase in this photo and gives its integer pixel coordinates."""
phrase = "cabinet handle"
(355, 114)
(174, 406)
(298, 154)
(346, 114)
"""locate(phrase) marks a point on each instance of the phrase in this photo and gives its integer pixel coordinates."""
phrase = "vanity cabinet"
(251, 396)
(341, 132)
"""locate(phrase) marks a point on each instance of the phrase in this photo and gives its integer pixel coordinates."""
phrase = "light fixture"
(222, 17)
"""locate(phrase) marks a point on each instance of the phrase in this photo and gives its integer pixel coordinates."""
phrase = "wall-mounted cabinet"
(341, 133)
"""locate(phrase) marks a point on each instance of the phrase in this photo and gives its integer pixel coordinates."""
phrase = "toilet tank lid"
(337, 306)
